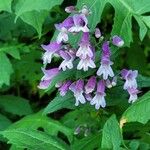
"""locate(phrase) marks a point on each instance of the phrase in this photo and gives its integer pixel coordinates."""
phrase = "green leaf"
(4, 122)
(23, 6)
(60, 102)
(111, 134)
(37, 120)
(88, 143)
(35, 19)
(34, 12)
(15, 105)
(12, 49)
(138, 111)
(5, 69)
(5, 5)
(124, 12)
(33, 139)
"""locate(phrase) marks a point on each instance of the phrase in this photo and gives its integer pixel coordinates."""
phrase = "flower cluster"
(92, 90)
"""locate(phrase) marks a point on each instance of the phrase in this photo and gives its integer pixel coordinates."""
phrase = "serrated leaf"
(138, 111)
(37, 120)
(5, 5)
(5, 69)
(111, 134)
(34, 12)
(33, 139)
(15, 105)
(60, 102)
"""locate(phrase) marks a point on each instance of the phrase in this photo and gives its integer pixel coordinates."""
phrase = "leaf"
(12, 49)
(50, 126)
(23, 6)
(5, 5)
(111, 134)
(88, 143)
(4, 122)
(138, 111)
(5, 69)
(124, 12)
(34, 12)
(60, 102)
(35, 19)
(33, 139)
(15, 105)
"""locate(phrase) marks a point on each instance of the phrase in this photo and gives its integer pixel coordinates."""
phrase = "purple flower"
(130, 78)
(99, 98)
(84, 47)
(77, 89)
(90, 86)
(68, 60)
(116, 40)
(70, 9)
(88, 97)
(63, 28)
(105, 67)
(50, 49)
(97, 33)
(44, 84)
(86, 63)
(80, 23)
(64, 88)
(133, 94)
(48, 76)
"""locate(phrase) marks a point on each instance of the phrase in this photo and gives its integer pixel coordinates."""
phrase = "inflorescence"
(94, 89)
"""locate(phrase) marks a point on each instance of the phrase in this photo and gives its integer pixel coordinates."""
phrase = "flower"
(50, 49)
(70, 9)
(48, 76)
(99, 99)
(97, 33)
(130, 78)
(116, 40)
(133, 94)
(80, 23)
(85, 48)
(86, 63)
(64, 88)
(44, 84)
(68, 60)
(105, 67)
(90, 86)
(63, 28)
(88, 97)
(77, 89)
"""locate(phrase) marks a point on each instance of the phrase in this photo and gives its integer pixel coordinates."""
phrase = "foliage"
(35, 119)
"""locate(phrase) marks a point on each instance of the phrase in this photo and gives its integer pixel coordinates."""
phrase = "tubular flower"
(77, 89)
(105, 68)
(50, 49)
(99, 98)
